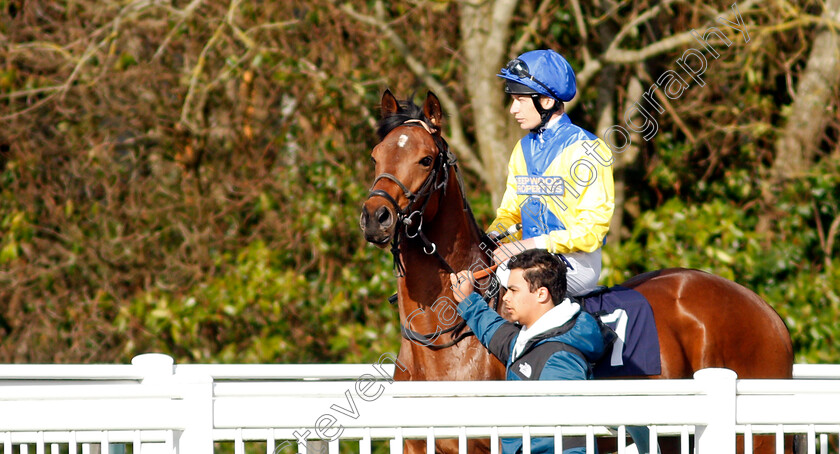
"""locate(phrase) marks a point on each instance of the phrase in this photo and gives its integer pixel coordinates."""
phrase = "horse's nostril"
(383, 216)
(363, 219)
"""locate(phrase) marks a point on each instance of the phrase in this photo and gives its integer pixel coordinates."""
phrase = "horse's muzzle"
(379, 226)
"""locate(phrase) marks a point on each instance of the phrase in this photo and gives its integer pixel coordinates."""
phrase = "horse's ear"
(390, 105)
(432, 110)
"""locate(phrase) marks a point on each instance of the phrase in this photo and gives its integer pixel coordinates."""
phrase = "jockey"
(559, 183)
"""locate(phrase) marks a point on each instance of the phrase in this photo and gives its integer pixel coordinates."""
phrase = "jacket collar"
(553, 127)
(557, 317)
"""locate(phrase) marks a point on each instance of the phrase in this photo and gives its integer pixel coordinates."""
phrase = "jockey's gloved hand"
(497, 236)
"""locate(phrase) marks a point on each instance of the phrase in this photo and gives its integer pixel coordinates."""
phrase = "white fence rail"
(154, 406)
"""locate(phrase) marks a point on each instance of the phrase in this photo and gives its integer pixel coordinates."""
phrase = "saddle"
(628, 327)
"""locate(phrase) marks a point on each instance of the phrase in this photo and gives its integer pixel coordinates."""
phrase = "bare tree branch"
(500, 27)
(186, 108)
(185, 14)
(638, 20)
(457, 139)
(796, 147)
(668, 107)
(615, 55)
(485, 33)
(829, 245)
(517, 48)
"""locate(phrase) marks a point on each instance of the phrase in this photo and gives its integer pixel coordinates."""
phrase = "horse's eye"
(426, 162)
(373, 160)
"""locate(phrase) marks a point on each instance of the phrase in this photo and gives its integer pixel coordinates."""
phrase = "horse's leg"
(761, 444)
(414, 447)
(767, 444)
(479, 446)
(608, 444)
(448, 446)
(667, 445)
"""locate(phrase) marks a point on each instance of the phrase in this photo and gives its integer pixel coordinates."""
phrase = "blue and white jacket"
(560, 346)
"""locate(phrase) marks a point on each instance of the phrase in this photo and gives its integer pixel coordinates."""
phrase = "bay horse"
(417, 205)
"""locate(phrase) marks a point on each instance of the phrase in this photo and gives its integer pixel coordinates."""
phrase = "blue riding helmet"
(540, 71)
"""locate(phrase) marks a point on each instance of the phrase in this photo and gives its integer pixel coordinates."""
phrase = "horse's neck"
(456, 239)
(426, 282)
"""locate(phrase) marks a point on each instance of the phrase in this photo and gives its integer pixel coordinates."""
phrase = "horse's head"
(411, 164)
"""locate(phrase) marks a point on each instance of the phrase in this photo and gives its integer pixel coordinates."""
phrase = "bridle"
(412, 218)
(437, 180)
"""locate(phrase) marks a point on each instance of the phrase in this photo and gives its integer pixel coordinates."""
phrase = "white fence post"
(197, 437)
(196, 390)
(718, 435)
(155, 368)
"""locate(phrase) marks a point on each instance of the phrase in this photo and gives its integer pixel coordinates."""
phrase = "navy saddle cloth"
(636, 349)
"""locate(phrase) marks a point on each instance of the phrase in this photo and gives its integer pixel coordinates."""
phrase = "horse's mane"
(406, 111)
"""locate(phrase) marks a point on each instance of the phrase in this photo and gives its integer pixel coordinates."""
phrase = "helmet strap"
(545, 114)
